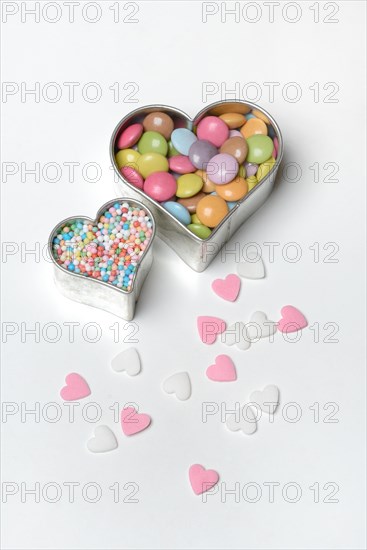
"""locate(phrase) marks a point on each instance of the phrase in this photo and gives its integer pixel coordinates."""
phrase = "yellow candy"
(188, 185)
(251, 182)
(242, 171)
(195, 219)
(127, 156)
(265, 168)
(151, 162)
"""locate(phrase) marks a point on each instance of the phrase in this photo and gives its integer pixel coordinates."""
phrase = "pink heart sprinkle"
(209, 328)
(133, 422)
(227, 288)
(223, 370)
(292, 320)
(201, 479)
(76, 388)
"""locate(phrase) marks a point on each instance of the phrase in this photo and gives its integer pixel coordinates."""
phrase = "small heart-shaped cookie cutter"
(94, 292)
(196, 252)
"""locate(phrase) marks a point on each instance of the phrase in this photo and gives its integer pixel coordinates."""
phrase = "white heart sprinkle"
(259, 326)
(104, 440)
(267, 399)
(127, 361)
(236, 334)
(243, 420)
(251, 270)
(179, 384)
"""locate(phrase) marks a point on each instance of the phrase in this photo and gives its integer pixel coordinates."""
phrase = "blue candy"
(182, 139)
(179, 211)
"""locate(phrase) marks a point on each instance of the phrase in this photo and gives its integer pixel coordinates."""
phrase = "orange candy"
(232, 191)
(233, 120)
(208, 186)
(254, 126)
(261, 115)
(211, 210)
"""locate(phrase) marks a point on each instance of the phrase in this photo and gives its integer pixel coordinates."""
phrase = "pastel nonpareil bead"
(233, 120)
(191, 202)
(213, 129)
(265, 168)
(237, 147)
(254, 126)
(250, 168)
(260, 148)
(161, 186)
(151, 162)
(208, 185)
(211, 210)
(181, 164)
(200, 230)
(222, 168)
(178, 211)
(159, 122)
(188, 185)
(132, 176)
(127, 156)
(251, 182)
(233, 191)
(200, 153)
(182, 139)
(152, 142)
(129, 136)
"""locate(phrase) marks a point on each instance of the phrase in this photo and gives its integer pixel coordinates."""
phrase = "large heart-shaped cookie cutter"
(94, 292)
(196, 252)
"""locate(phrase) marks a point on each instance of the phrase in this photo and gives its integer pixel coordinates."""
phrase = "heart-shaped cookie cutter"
(196, 252)
(94, 292)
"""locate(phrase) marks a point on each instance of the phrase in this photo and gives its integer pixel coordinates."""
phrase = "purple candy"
(235, 133)
(222, 168)
(251, 169)
(200, 153)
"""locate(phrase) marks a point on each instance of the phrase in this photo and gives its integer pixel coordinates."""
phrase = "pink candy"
(181, 164)
(130, 136)
(213, 129)
(132, 176)
(160, 186)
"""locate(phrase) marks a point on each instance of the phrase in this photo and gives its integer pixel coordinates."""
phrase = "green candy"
(200, 230)
(152, 142)
(172, 152)
(260, 148)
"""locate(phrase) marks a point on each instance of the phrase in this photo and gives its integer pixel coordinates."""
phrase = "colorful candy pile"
(200, 175)
(108, 250)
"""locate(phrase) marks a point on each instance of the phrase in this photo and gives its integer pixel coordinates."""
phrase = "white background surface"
(169, 53)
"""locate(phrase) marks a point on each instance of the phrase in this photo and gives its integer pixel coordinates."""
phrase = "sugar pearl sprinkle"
(108, 250)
